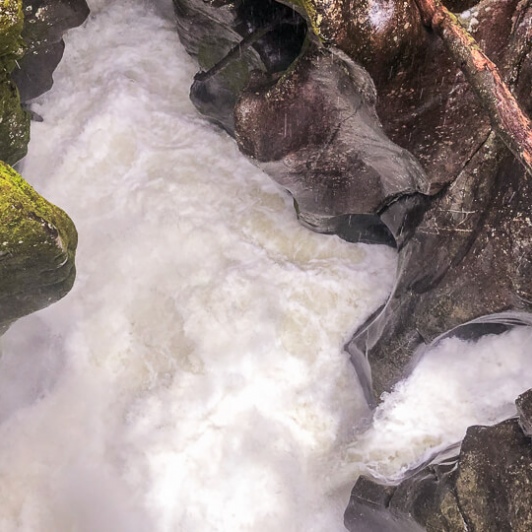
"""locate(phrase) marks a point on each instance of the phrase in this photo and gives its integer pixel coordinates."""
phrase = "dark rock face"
(468, 258)
(487, 487)
(253, 35)
(45, 22)
(465, 253)
(418, 164)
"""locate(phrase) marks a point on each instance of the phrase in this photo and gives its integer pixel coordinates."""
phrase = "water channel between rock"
(195, 379)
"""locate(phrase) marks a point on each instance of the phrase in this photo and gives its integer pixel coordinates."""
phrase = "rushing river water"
(194, 379)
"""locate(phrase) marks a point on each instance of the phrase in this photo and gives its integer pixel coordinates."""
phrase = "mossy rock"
(14, 121)
(37, 249)
(11, 24)
(14, 124)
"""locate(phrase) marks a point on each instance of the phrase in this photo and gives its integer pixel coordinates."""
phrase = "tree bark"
(506, 116)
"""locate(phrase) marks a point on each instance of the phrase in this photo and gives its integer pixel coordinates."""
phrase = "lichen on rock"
(37, 248)
(14, 121)
(11, 24)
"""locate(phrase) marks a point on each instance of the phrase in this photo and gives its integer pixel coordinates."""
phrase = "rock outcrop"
(37, 239)
(379, 137)
(230, 40)
(418, 165)
(487, 487)
(342, 163)
(45, 22)
(37, 247)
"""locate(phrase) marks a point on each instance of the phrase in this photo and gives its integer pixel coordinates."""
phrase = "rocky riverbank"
(360, 112)
(37, 239)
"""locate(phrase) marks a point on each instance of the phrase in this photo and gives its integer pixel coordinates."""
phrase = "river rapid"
(194, 379)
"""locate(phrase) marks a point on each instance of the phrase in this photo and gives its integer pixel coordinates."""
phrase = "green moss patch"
(37, 248)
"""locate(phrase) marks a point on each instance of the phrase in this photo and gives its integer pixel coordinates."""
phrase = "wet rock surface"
(45, 22)
(37, 247)
(342, 163)
(257, 35)
(487, 487)
(379, 138)
(37, 239)
(469, 258)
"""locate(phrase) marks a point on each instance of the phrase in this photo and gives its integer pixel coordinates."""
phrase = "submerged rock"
(487, 487)
(37, 248)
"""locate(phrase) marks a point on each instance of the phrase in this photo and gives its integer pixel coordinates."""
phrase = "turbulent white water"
(194, 379)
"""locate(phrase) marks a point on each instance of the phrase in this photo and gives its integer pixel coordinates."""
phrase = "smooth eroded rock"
(315, 131)
(487, 488)
(251, 35)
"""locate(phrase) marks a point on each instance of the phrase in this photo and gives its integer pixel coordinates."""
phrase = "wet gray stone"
(45, 22)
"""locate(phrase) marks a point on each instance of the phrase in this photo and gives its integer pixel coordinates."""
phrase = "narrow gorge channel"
(195, 379)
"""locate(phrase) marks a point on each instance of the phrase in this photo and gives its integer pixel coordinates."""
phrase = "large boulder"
(487, 487)
(374, 125)
(316, 132)
(37, 248)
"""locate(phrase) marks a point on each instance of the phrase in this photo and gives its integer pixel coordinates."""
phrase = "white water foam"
(455, 385)
(194, 380)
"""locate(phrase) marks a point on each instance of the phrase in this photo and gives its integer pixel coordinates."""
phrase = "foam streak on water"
(455, 385)
(194, 379)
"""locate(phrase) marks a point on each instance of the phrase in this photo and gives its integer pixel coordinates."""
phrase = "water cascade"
(194, 379)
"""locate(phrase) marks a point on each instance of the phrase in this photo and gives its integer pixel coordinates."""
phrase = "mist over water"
(194, 379)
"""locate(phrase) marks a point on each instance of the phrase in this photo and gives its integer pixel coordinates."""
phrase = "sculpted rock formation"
(339, 164)
(37, 246)
(487, 487)
(255, 35)
(379, 137)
